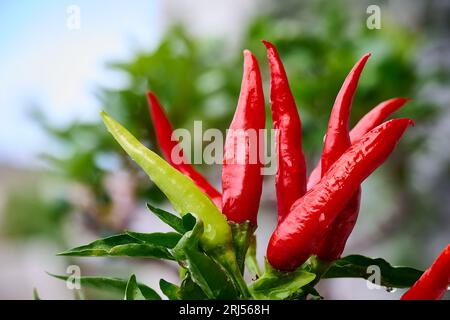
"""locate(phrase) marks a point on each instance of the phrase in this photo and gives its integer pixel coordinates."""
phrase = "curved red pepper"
(434, 281)
(164, 130)
(372, 119)
(290, 180)
(376, 116)
(333, 244)
(295, 238)
(337, 140)
(242, 182)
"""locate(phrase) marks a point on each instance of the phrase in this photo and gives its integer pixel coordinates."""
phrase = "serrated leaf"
(276, 285)
(112, 284)
(203, 271)
(170, 290)
(167, 240)
(356, 266)
(132, 291)
(168, 218)
(119, 245)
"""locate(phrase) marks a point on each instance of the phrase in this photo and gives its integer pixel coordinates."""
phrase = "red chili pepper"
(376, 116)
(164, 132)
(434, 281)
(290, 180)
(337, 140)
(295, 238)
(333, 244)
(372, 119)
(241, 171)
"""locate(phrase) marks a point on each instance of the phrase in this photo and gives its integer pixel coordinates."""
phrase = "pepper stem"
(242, 236)
(250, 259)
(319, 267)
(227, 259)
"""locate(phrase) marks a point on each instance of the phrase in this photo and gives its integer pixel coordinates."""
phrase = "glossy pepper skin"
(372, 119)
(376, 116)
(295, 238)
(290, 180)
(337, 140)
(164, 130)
(181, 191)
(241, 170)
(434, 282)
(333, 243)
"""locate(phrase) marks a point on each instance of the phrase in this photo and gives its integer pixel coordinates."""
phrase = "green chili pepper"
(185, 197)
(181, 191)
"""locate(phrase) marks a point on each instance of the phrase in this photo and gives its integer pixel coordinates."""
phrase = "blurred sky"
(44, 63)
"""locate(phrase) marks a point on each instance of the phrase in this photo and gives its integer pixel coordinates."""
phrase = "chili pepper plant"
(213, 239)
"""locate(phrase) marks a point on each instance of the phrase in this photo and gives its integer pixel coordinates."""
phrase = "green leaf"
(204, 272)
(307, 292)
(132, 291)
(168, 218)
(189, 222)
(169, 289)
(276, 285)
(189, 290)
(313, 293)
(112, 284)
(250, 259)
(168, 240)
(356, 266)
(120, 245)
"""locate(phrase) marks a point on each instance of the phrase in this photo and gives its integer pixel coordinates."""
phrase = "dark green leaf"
(276, 285)
(112, 284)
(172, 220)
(307, 292)
(168, 240)
(189, 290)
(204, 271)
(119, 245)
(189, 222)
(313, 293)
(356, 266)
(132, 291)
(169, 289)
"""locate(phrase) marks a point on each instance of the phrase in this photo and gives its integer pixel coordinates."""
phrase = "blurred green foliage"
(33, 215)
